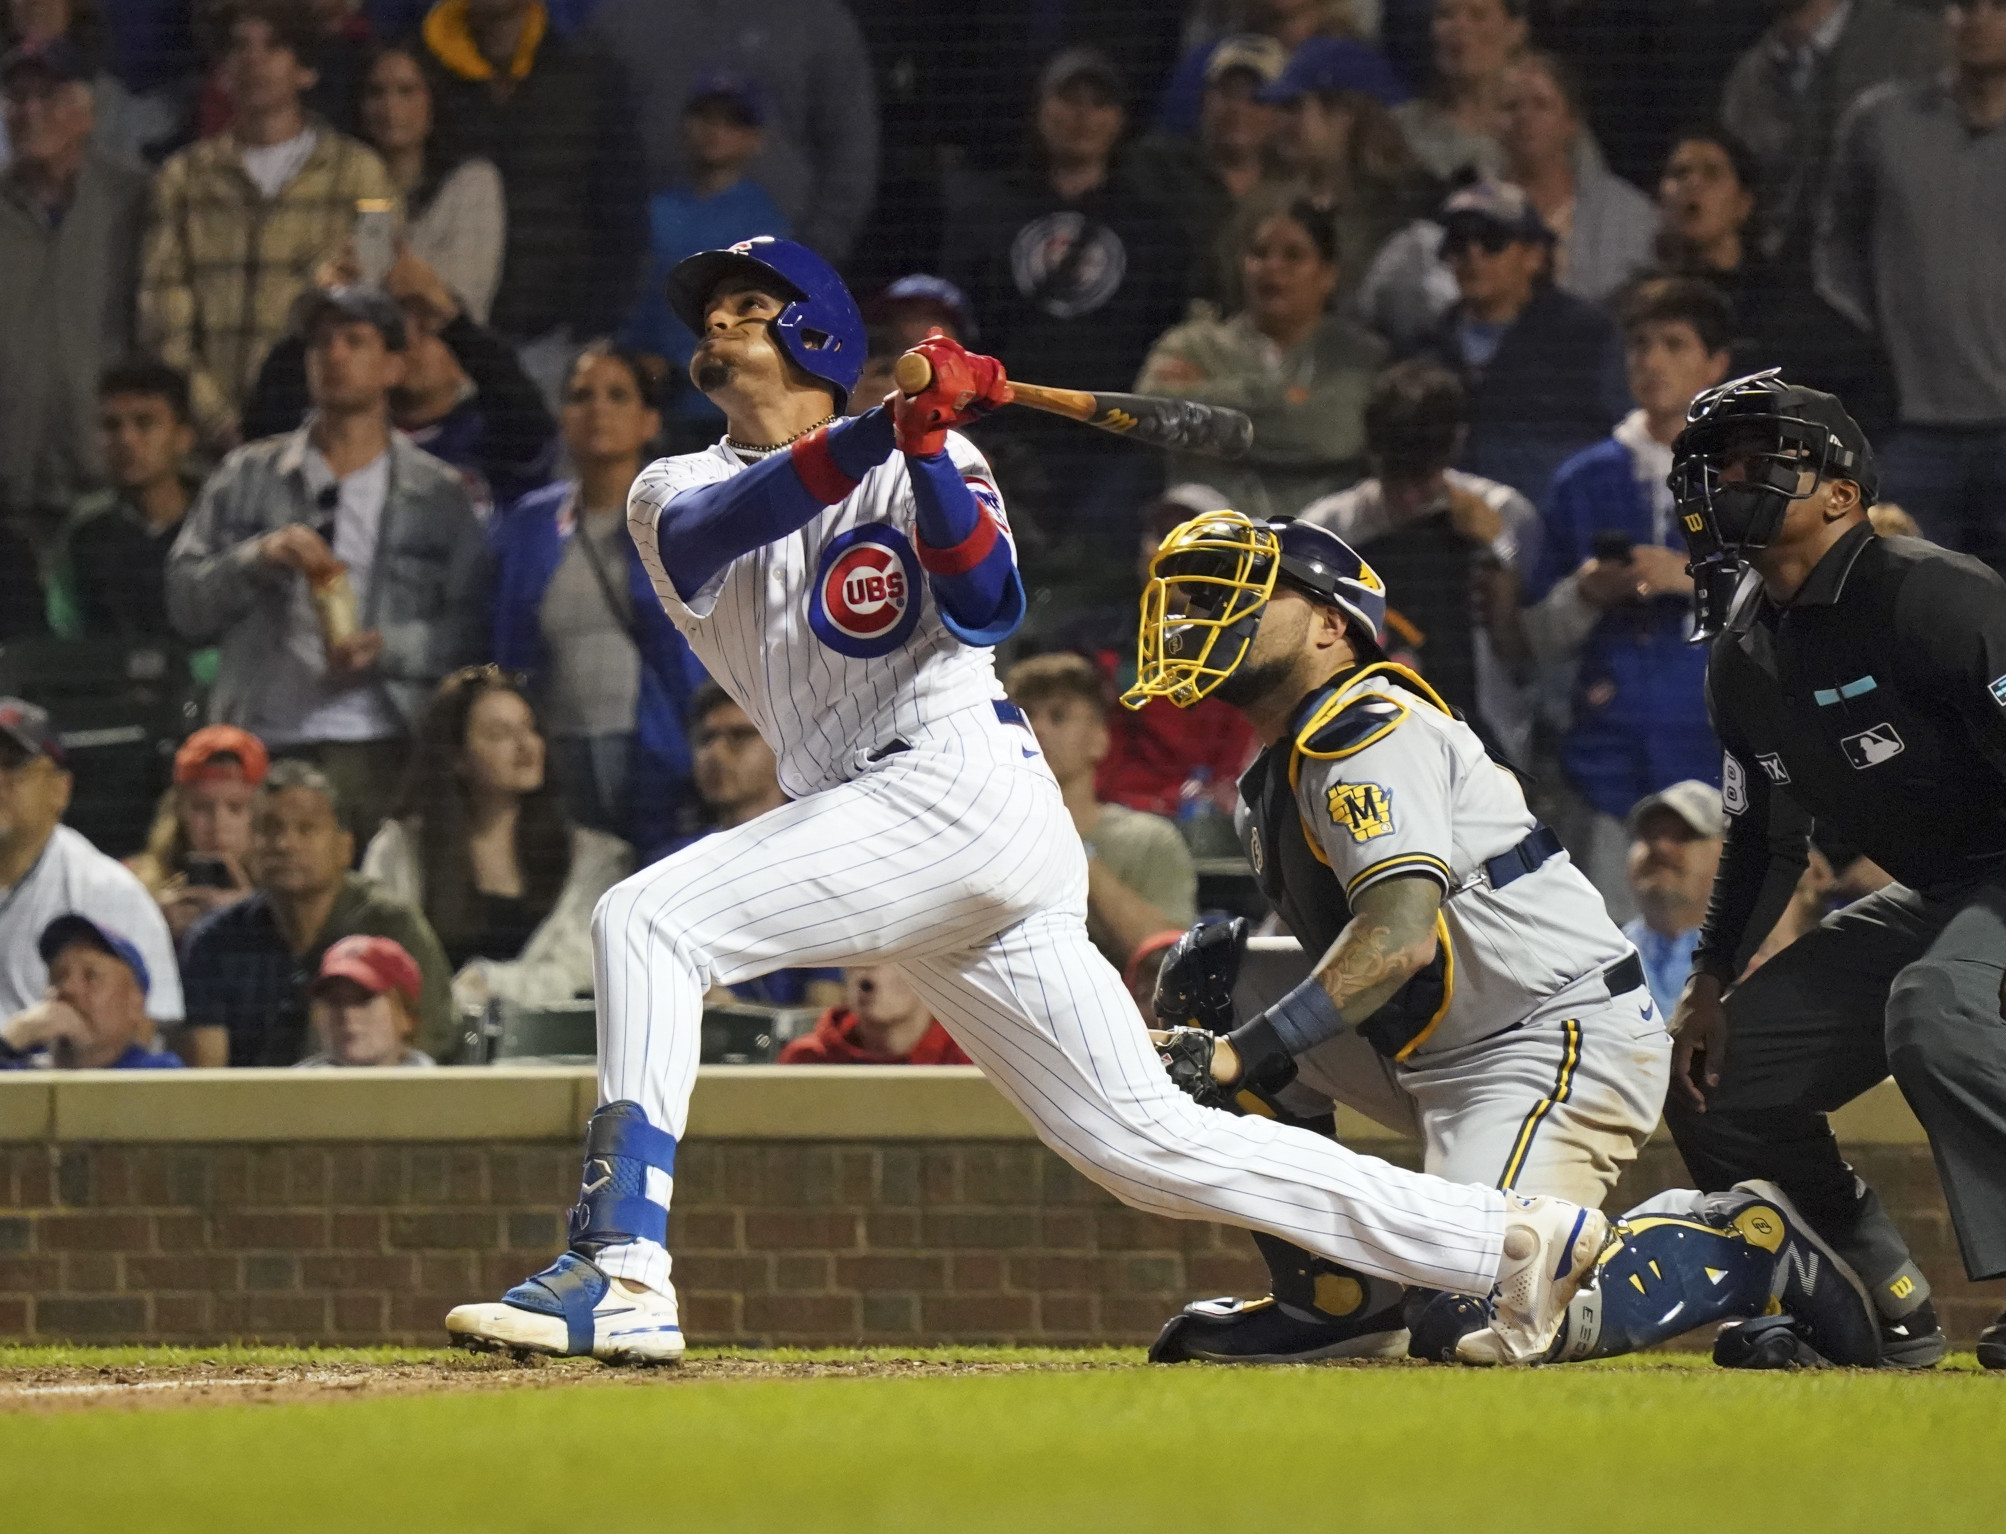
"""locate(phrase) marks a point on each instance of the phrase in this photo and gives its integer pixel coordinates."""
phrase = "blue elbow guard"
(613, 1206)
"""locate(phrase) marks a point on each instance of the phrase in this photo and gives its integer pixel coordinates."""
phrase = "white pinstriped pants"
(956, 859)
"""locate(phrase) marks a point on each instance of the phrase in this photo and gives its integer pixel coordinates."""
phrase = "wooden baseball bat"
(1176, 425)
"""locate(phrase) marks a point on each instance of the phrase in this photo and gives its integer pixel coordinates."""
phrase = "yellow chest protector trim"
(1341, 727)
(1348, 721)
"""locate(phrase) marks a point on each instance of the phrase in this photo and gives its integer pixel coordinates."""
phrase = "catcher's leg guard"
(572, 1308)
(1317, 1309)
(1685, 1261)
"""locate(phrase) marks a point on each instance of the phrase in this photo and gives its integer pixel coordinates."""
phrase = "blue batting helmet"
(820, 327)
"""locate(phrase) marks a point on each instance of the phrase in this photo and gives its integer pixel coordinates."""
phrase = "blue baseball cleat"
(572, 1310)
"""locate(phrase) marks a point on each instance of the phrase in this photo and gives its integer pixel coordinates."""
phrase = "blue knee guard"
(1667, 1277)
(613, 1206)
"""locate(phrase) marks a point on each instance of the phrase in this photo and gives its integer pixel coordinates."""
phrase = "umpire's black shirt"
(1874, 703)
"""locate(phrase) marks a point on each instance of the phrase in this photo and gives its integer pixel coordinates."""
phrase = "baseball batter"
(845, 580)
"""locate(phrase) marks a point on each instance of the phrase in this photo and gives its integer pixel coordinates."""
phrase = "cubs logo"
(1363, 809)
(866, 598)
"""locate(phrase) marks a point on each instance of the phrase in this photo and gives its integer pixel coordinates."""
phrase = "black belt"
(1539, 845)
(1006, 712)
(1624, 976)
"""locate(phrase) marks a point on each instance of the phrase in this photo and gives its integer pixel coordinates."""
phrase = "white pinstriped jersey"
(1413, 791)
(829, 638)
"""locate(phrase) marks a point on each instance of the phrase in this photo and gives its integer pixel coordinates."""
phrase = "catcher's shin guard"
(1735, 1256)
(1318, 1309)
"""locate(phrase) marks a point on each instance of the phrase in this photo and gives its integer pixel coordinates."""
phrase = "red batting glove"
(966, 386)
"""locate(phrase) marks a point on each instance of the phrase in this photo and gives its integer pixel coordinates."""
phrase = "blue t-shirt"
(1667, 960)
(136, 1058)
(680, 223)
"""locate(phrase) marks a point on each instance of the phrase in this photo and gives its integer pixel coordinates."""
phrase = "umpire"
(1858, 682)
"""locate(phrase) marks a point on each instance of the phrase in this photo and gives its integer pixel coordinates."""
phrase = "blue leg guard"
(1667, 1277)
(1683, 1261)
(613, 1206)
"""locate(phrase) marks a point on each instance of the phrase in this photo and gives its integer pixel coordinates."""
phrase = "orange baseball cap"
(377, 964)
(196, 759)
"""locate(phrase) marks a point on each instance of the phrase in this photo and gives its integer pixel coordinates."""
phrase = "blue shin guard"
(613, 1208)
(1665, 1278)
(1733, 1256)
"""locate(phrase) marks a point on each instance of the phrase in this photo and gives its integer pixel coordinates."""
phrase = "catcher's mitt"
(1187, 1057)
(1195, 986)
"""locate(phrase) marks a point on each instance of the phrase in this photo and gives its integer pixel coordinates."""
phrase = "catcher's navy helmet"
(820, 328)
(1209, 583)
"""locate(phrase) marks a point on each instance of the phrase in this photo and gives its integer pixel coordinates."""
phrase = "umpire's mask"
(1772, 432)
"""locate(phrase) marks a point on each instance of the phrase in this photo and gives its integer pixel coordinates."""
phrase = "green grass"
(1663, 1444)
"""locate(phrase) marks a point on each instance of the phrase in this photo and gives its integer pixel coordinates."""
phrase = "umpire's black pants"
(1900, 982)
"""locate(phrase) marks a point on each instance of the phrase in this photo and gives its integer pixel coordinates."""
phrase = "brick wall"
(776, 1242)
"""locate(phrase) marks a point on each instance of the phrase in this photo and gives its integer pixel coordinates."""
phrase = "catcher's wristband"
(1265, 1061)
(1304, 1018)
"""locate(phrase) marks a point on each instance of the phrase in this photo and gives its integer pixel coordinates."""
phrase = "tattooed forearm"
(1391, 938)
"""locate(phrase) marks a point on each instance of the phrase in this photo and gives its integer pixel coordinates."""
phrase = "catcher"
(1455, 976)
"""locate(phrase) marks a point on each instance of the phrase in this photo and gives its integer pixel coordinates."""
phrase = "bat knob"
(912, 373)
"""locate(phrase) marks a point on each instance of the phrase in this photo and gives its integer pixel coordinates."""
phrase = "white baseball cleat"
(1550, 1246)
(573, 1310)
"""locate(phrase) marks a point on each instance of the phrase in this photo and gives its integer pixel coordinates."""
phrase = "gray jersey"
(1409, 789)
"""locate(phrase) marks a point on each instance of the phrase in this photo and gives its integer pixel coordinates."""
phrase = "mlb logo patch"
(1870, 748)
(1363, 809)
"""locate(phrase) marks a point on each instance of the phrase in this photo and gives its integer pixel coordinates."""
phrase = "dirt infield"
(223, 1381)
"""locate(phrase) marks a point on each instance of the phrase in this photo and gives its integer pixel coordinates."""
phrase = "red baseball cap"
(377, 964)
(196, 760)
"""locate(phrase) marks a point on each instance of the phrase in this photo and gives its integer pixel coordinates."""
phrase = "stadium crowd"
(332, 337)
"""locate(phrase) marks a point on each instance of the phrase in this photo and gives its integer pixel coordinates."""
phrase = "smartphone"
(204, 871)
(1612, 547)
(375, 236)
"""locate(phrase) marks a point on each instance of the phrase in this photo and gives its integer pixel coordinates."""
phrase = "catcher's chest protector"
(1299, 884)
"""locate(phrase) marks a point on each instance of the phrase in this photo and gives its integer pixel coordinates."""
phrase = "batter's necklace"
(773, 447)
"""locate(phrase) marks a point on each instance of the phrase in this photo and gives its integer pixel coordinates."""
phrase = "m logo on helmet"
(866, 598)
(1363, 809)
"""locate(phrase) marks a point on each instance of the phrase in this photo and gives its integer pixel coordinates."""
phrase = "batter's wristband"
(1304, 1018)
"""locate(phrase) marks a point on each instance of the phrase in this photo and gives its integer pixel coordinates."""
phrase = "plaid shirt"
(223, 264)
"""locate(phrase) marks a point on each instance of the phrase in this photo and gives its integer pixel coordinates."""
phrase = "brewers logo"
(1363, 809)
(866, 598)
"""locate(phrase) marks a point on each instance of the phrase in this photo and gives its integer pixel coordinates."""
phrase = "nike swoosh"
(1028, 752)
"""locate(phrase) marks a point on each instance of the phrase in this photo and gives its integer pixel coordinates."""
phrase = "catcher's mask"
(1775, 431)
(1209, 584)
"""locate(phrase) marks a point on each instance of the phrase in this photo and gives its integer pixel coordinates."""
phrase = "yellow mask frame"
(1184, 655)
